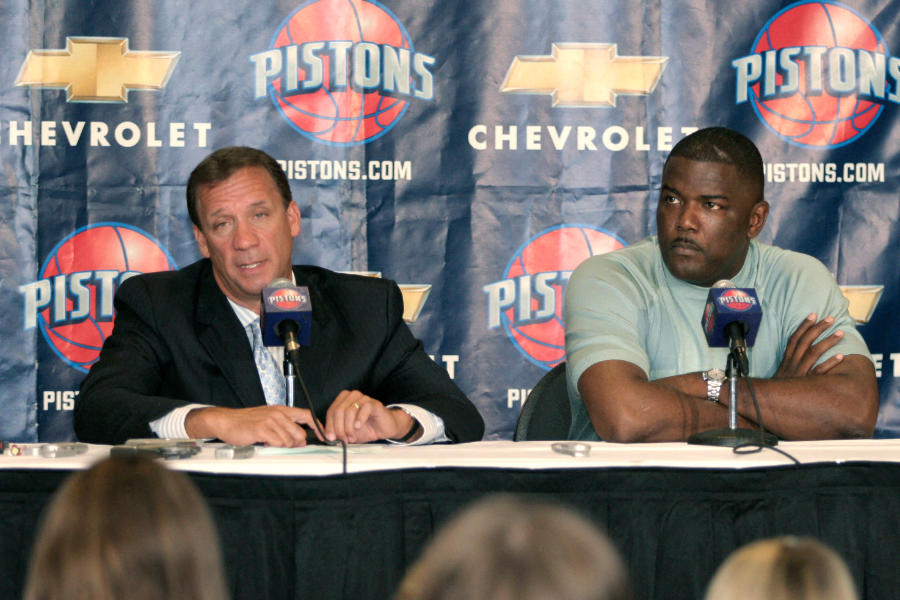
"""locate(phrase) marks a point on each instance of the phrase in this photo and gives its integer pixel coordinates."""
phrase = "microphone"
(285, 315)
(286, 318)
(731, 319)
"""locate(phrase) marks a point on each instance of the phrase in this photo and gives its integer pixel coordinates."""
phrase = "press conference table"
(293, 526)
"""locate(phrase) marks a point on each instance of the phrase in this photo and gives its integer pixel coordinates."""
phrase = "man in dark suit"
(181, 363)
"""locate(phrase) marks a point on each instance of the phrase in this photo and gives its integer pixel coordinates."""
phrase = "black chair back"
(546, 414)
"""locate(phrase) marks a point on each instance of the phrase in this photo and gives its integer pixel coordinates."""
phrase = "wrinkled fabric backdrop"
(475, 152)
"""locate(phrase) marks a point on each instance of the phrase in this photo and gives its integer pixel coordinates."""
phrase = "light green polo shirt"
(625, 305)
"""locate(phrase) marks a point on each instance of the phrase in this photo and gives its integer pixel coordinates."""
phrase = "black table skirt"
(353, 536)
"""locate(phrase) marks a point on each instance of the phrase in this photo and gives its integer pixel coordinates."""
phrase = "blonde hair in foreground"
(508, 548)
(127, 528)
(783, 568)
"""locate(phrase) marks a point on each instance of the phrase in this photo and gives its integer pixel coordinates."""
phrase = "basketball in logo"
(821, 118)
(557, 249)
(101, 247)
(735, 299)
(337, 112)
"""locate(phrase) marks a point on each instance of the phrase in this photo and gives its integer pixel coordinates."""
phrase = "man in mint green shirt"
(636, 352)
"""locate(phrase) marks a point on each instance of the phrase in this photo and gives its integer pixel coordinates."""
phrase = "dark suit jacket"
(176, 340)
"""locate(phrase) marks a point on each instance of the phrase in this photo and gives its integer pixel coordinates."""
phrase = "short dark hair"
(221, 164)
(723, 145)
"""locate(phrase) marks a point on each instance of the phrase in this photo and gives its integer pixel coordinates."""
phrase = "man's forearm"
(625, 407)
(842, 403)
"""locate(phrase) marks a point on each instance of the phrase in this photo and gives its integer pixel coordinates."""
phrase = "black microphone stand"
(733, 435)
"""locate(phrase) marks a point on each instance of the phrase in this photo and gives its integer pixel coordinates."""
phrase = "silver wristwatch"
(714, 379)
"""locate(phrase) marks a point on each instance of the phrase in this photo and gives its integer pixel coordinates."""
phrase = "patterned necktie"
(270, 375)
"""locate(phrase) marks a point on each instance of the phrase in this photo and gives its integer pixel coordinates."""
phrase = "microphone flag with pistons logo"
(283, 302)
(727, 304)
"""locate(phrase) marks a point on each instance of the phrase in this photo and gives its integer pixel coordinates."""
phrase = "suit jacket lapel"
(315, 359)
(221, 334)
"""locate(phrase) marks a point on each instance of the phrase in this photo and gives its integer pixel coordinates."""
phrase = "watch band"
(714, 379)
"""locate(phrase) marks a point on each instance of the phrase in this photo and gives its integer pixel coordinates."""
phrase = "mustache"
(683, 242)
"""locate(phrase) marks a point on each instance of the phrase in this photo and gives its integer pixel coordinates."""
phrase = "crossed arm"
(836, 399)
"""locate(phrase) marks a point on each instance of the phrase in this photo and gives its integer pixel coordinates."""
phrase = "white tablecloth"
(320, 460)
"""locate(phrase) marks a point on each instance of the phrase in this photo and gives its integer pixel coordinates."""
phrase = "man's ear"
(758, 215)
(201, 242)
(293, 214)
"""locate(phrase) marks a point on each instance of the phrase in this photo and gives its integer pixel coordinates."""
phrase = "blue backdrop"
(476, 151)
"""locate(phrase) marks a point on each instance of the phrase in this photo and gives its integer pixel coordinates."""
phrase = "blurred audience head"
(127, 528)
(783, 568)
(508, 548)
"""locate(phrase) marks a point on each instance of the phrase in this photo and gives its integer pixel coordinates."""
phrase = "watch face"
(715, 375)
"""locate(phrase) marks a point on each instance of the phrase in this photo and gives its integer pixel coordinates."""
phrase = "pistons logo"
(818, 75)
(342, 72)
(736, 300)
(286, 299)
(528, 301)
(72, 301)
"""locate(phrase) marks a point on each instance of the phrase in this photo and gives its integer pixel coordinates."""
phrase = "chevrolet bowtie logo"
(863, 299)
(97, 69)
(584, 75)
(414, 295)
